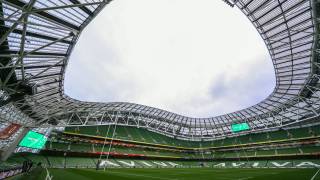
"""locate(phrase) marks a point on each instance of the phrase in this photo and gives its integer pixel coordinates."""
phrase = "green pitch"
(179, 174)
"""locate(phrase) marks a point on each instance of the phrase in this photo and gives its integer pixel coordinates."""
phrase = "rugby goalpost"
(48, 176)
(110, 144)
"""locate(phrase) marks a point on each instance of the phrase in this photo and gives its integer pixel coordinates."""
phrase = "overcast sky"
(196, 59)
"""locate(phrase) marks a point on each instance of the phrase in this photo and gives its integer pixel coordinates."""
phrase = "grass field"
(176, 174)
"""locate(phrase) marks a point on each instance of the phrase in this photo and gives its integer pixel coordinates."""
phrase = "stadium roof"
(38, 36)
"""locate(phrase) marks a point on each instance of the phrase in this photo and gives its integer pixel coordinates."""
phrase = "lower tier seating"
(83, 162)
(256, 152)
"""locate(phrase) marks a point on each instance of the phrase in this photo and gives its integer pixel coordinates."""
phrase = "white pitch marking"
(314, 176)
(245, 178)
(152, 177)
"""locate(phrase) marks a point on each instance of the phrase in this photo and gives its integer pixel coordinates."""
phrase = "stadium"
(45, 134)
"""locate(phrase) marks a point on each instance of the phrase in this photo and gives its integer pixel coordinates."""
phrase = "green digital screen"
(240, 127)
(33, 140)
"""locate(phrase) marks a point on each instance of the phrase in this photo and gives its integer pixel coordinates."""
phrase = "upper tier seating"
(143, 135)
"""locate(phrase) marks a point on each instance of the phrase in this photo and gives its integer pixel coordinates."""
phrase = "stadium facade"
(38, 36)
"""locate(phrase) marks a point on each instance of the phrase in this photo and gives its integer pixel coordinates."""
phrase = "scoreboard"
(240, 127)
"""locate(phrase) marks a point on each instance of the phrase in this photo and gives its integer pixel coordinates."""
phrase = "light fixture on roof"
(230, 2)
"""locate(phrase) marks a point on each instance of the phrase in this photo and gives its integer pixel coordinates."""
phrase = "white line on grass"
(314, 176)
(152, 177)
(245, 178)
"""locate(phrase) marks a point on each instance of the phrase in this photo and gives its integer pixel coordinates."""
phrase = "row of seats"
(143, 135)
(6, 165)
(130, 133)
(86, 147)
(268, 152)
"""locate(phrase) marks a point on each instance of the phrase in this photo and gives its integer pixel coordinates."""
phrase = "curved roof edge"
(35, 46)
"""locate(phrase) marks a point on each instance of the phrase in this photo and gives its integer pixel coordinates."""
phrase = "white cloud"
(196, 59)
